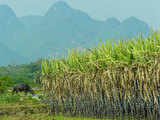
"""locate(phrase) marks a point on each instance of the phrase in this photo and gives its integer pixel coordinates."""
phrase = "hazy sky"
(146, 10)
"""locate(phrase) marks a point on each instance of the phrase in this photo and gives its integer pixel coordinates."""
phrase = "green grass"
(20, 107)
(22, 116)
(24, 108)
(8, 98)
(43, 117)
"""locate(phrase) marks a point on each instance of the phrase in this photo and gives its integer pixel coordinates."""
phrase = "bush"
(7, 98)
(5, 82)
(2, 89)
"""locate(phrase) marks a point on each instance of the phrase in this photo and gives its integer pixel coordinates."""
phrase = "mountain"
(9, 57)
(11, 28)
(62, 27)
(113, 22)
(31, 21)
(131, 27)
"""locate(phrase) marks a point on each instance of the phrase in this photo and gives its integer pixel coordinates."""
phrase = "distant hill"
(31, 21)
(7, 56)
(11, 28)
(60, 28)
(132, 26)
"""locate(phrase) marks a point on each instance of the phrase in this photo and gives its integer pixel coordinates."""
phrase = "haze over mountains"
(8, 56)
(30, 37)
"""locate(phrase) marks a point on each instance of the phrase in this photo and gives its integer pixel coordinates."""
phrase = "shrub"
(5, 82)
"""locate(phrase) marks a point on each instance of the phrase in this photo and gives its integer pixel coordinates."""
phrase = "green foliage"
(125, 73)
(13, 74)
(20, 73)
(5, 81)
(141, 49)
(8, 98)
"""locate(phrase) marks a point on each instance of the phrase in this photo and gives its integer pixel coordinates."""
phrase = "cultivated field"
(113, 78)
(28, 107)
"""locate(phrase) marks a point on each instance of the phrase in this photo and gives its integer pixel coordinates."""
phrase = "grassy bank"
(21, 107)
(112, 78)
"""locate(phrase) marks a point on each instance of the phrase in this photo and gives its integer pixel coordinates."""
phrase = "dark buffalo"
(22, 87)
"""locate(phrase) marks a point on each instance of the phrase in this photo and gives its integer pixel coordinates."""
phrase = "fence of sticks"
(85, 85)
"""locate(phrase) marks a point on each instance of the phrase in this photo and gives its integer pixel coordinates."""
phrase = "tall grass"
(118, 78)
